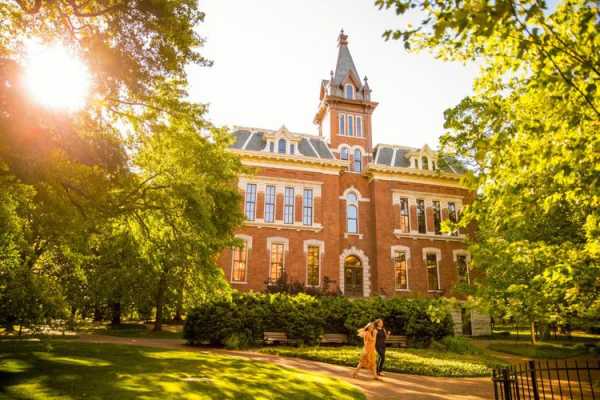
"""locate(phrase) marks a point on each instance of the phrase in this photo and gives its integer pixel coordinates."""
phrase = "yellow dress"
(368, 358)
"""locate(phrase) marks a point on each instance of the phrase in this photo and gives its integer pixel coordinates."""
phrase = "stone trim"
(246, 238)
(321, 245)
(435, 250)
(364, 259)
(278, 239)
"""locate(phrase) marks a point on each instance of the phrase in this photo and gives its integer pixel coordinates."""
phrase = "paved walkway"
(393, 386)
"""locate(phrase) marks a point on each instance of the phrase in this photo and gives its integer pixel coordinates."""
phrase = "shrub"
(242, 321)
(459, 345)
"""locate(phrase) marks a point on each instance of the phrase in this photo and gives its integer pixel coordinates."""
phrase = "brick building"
(331, 207)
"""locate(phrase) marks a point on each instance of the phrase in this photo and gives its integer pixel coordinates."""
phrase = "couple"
(374, 337)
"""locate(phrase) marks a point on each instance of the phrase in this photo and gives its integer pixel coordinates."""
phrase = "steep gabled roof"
(345, 64)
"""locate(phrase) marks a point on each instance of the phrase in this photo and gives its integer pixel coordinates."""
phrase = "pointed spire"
(345, 64)
(342, 39)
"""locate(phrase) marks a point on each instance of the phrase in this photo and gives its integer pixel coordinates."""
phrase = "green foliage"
(428, 362)
(458, 345)
(305, 318)
(541, 351)
(38, 370)
(529, 135)
(122, 205)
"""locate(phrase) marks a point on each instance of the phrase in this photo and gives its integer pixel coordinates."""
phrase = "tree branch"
(33, 10)
(77, 10)
(556, 67)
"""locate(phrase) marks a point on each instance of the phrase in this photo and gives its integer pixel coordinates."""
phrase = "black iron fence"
(539, 380)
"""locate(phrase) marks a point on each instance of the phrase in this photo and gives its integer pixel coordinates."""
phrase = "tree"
(529, 135)
(138, 160)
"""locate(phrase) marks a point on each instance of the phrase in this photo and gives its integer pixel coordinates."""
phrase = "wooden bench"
(334, 338)
(396, 341)
(275, 337)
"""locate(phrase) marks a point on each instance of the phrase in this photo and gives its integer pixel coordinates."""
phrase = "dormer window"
(424, 162)
(281, 146)
(357, 160)
(349, 92)
(272, 147)
(292, 148)
(344, 153)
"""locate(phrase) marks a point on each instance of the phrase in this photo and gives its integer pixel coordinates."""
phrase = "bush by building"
(241, 321)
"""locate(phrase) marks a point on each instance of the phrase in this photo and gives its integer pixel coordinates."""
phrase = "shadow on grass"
(76, 370)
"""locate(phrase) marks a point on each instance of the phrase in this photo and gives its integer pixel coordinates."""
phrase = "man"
(382, 334)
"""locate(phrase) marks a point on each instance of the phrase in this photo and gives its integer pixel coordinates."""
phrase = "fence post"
(534, 386)
(506, 384)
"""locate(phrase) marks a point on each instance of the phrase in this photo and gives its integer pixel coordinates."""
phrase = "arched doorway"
(353, 276)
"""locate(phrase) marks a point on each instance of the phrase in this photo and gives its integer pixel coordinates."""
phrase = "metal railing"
(540, 380)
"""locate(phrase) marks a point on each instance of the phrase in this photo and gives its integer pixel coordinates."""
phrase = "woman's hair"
(362, 331)
(377, 321)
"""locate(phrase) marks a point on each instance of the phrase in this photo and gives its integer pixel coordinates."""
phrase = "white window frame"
(350, 125)
(286, 246)
(342, 124)
(351, 86)
(247, 247)
(321, 245)
(274, 204)
(246, 201)
(355, 204)
(293, 205)
(406, 251)
(358, 126)
(438, 259)
(461, 252)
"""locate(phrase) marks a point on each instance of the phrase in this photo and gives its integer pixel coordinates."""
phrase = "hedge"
(241, 321)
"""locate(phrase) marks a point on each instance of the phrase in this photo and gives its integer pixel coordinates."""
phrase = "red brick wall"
(377, 219)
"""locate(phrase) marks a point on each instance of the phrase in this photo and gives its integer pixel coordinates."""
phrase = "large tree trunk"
(97, 313)
(116, 313)
(179, 309)
(532, 332)
(159, 304)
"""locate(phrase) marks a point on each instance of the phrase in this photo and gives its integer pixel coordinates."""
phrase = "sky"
(271, 55)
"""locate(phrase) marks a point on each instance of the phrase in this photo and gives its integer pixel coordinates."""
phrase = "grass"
(409, 361)
(70, 370)
(134, 330)
(542, 351)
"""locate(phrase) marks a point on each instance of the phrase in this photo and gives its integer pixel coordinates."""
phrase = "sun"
(56, 77)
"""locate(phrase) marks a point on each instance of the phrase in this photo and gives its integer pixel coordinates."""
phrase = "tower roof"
(345, 64)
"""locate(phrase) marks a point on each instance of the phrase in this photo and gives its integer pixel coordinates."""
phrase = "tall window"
(281, 146)
(312, 266)
(400, 270)
(288, 206)
(351, 213)
(452, 216)
(359, 127)
(307, 207)
(344, 153)
(270, 203)
(421, 216)
(437, 218)
(250, 207)
(424, 163)
(431, 263)
(357, 160)
(342, 124)
(272, 147)
(277, 262)
(349, 92)
(240, 263)
(462, 267)
(350, 125)
(404, 216)
(292, 148)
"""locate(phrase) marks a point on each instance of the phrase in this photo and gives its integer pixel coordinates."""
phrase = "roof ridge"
(253, 129)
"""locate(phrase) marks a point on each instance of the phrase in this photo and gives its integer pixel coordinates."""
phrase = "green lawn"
(542, 351)
(410, 361)
(72, 370)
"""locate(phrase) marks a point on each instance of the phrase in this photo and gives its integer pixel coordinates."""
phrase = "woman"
(367, 358)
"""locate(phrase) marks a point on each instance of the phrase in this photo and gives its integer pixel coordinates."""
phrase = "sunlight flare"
(56, 77)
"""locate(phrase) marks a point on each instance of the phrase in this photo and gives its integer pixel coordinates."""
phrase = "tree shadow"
(100, 371)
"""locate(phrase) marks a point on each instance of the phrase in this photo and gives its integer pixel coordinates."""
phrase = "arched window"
(281, 146)
(344, 153)
(424, 163)
(357, 160)
(351, 213)
(349, 91)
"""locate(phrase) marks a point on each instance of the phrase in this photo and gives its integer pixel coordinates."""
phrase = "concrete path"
(393, 386)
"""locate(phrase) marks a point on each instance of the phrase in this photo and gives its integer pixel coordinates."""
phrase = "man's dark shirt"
(380, 341)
